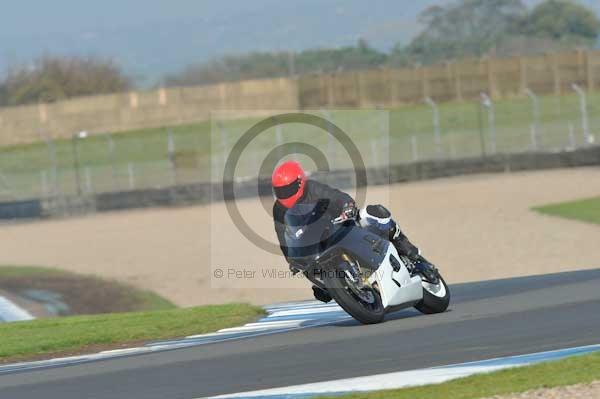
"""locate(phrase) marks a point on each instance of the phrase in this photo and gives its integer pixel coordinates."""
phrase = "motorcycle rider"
(291, 187)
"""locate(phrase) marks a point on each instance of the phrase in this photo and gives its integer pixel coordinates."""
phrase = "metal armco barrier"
(28, 209)
(202, 193)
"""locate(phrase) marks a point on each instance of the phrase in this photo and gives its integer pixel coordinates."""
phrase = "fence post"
(278, 135)
(414, 145)
(88, 180)
(449, 79)
(534, 143)
(536, 113)
(331, 153)
(581, 68)
(131, 174)
(556, 74)
(589, 139)
(357, 88)
(52, 157)
(393, 87)
(373, 152)
(330, 90)
(384, 138)
(436, 125)
(74, 146)
(278, 140)
(171, 152)
(425, 81)
(457, 82)
(487, 102)
(589, 71)
(44, 184)
(452, 149)
(113, 165)
(480, 126)
(523, 73)
(224, 148)
(4, 184)
(491, 76)
(572, 142)
(222, 95)
(43, 113)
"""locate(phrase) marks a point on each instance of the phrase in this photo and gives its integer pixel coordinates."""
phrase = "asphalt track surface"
(486, 320)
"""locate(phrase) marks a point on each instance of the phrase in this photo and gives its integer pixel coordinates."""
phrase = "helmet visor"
(284, 192)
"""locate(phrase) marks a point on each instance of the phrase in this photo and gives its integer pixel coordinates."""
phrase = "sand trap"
(472, 227)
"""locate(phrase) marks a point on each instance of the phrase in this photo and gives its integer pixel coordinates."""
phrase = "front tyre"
(436, 297)
(364, 304)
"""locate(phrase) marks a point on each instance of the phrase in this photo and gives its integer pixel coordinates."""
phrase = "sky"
(151, 38)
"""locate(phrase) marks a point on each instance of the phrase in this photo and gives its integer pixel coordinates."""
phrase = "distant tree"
(56, 78)
(562, 20)
(465, 28)
(233, 67)
(275, 64)
(361, 56)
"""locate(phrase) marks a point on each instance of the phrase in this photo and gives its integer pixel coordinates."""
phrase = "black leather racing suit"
(313, 192)
(338, 201)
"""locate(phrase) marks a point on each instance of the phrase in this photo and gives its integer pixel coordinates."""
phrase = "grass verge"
(78, 334)
(586, 210)
(575, 370)
(81, 293)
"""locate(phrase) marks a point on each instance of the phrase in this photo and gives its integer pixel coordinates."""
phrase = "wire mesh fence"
(93, 163)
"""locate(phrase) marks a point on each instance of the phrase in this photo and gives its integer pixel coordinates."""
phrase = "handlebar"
(341, 219)
(338, 220)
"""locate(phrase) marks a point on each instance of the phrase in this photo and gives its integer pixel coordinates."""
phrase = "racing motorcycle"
(358, 267)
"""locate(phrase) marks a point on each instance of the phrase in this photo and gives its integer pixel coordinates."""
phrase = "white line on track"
(403, 379)
(280, 318)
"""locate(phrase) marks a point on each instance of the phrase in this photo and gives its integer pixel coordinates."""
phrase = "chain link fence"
(70, 172)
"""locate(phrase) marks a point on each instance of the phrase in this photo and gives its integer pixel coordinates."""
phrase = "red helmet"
(288, 182)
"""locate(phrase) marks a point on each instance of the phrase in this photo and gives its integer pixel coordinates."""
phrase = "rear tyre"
(366, 308)
(436, 297)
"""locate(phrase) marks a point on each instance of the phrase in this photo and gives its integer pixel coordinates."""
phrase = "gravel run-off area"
(473, 227)
(582, 391)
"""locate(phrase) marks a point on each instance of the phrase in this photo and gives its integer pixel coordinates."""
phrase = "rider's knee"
(378, 218)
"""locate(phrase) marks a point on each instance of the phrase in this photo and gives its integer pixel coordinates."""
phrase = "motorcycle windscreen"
(365, 246)
(305, 226)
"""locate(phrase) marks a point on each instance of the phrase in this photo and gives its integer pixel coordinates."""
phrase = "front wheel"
(364, 303)
(436, 297)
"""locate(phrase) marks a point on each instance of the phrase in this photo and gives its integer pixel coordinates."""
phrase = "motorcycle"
(359, 268)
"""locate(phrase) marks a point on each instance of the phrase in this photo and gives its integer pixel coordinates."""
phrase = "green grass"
(151, 301)
(585, 210)
(157, 319)
(26, 170)
(72, 334)
(575, 370)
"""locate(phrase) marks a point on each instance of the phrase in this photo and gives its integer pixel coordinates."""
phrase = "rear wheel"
(361, 302)
(436, 297)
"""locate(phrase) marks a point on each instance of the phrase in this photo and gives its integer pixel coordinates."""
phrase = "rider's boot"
(404, 247)
(402, 244)
(321, 294)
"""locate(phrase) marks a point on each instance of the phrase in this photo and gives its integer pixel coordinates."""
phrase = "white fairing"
(410, 290)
